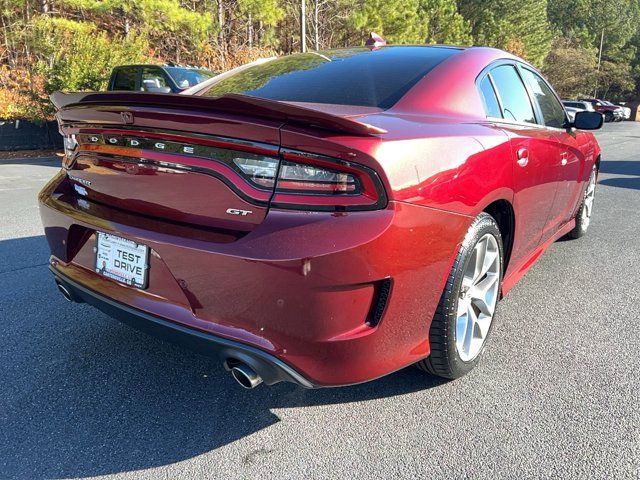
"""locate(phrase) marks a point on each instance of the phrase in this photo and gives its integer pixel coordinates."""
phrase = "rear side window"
(125, 79)
(355, 76)
(488, 94)
(551, 109)
(515, 100)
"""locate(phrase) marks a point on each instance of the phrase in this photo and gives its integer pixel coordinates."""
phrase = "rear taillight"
(259, 171)
(313, 182)
(70, 150)
(301, 178)
(282, 178)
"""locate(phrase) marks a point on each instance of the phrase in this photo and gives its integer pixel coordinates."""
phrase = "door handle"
(564, 158)
(523, 157)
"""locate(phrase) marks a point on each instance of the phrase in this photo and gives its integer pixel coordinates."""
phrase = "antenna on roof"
(375, 41)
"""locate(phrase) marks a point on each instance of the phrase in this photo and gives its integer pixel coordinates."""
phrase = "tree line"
(585, 47)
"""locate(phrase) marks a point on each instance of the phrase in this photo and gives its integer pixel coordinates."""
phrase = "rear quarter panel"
(429, 161)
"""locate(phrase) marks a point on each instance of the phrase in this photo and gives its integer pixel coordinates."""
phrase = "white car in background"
(626, 110)
(574, 106)
(620, 113)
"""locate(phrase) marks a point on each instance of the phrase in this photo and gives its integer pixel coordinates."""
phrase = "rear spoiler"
(230, 103)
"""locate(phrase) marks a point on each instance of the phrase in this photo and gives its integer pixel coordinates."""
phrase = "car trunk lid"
(190, 160)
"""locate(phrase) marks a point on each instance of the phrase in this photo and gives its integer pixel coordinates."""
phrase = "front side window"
(516, 105)
(489, 99)
(552, 112)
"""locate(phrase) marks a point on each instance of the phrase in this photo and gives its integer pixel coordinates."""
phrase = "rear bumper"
(271, 369)
(302, 287)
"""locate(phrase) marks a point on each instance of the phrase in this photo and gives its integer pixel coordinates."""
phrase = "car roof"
(449, 89)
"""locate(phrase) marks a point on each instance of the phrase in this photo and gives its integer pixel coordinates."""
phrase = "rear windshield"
(361, 77)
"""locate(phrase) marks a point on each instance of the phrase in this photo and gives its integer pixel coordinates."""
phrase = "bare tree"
(220, 24)
(303, 26)
(316, 24)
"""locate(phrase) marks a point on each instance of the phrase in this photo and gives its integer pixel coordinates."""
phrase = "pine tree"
(519, 26)
(442, 23)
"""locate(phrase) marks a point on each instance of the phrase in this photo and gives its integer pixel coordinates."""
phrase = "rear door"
(533, 150)
(568, 161)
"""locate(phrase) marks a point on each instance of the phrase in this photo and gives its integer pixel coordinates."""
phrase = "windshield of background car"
(188, 77)
(355, 76)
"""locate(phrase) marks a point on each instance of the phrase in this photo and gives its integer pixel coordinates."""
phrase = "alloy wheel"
(589, 197)
(478, 297)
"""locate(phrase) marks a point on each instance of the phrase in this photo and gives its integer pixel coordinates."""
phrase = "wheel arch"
(502, 212)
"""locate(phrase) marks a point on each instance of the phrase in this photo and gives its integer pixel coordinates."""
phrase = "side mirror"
(587, 121)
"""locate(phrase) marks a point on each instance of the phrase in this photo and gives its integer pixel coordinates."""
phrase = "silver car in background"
(574, 106)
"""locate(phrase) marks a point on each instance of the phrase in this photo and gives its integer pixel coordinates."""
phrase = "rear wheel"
(608, 116)
(583, 217)
(464, 316)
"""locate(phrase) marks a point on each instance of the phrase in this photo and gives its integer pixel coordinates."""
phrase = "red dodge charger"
(322, 218)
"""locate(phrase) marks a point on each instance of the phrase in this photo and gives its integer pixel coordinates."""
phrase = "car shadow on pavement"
(629, 168)
(632, 183)
(620, 167)
(84, 395)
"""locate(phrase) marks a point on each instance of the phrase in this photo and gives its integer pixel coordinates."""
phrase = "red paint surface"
(300, 284)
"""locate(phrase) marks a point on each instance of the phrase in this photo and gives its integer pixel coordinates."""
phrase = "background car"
(611, 112)
(573, 106)
(571, 113)
(620, 113)
(168, 78)
(323, 219)
(626, 110)
(578, 105)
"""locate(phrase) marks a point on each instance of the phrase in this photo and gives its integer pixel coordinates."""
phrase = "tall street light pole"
(595, 90)
(303, 26)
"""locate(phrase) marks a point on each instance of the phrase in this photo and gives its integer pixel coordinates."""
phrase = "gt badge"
(236, 211)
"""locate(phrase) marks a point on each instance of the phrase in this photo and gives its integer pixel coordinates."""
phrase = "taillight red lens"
(315, 182)
(298, 177)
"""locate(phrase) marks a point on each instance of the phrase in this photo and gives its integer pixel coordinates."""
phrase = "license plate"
(122, 260)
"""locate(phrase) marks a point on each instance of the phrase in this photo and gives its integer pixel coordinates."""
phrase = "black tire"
(444, 359)
(608, 116)
(582, 219)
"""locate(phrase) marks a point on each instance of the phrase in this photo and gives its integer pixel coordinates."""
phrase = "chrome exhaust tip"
(65, 292)
(246, 376)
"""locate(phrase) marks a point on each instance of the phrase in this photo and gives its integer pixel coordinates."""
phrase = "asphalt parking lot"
(557, 395)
